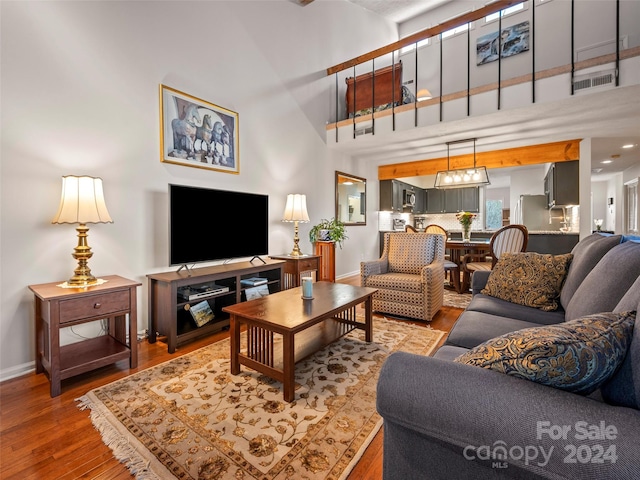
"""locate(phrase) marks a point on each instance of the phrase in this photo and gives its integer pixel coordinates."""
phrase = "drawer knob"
(97, 305)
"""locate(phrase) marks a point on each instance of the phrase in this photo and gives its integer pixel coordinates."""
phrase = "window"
(506, 12)
(631, 200)
(455, 31)
(493, 209)
(410, 48)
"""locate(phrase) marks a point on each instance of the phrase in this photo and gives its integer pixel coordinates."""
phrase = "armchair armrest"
(433, 273)
(372, 267)
(475, 415)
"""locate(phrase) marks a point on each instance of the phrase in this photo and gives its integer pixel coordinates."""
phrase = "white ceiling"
(611, 118)
(399, 10)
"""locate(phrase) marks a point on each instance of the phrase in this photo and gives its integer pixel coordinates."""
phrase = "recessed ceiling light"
(629, 145)
(606, 161)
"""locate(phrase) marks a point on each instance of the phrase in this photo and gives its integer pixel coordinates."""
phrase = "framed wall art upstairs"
(196, 133)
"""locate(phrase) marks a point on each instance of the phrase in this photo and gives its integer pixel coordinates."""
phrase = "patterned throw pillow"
(529, 279)
(576, 356)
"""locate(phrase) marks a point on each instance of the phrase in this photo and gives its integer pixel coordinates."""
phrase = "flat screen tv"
(207, 224)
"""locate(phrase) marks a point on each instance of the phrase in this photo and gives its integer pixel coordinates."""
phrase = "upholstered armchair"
(409, 275)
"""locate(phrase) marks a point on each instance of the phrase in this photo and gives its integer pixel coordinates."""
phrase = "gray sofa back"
(607, 283)
(586, 254)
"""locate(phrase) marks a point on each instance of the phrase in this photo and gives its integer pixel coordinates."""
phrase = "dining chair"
(450, 268)
(410, 229)
(509, 239)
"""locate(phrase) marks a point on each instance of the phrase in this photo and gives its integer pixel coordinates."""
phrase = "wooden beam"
(510, 157)
(428, 33)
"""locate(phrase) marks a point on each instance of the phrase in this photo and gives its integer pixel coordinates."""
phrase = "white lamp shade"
(296, 208)
(82, 201)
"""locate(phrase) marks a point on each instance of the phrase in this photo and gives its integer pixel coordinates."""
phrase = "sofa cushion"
(502, 308)
(586, 254)
(474, 328)
(530, 279)
(396, 281)
(577, 356)
(624, 387)
(607, 283)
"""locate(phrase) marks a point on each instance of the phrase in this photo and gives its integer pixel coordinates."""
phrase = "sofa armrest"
(479, 281)
(372, 267)
(477, 415)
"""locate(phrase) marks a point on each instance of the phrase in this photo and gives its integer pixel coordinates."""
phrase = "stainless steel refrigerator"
(531, 211)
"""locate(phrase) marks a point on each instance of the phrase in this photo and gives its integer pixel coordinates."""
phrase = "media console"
(170, 297)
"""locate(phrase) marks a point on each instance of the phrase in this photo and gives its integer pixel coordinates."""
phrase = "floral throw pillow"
(577, 356)
(530, 279)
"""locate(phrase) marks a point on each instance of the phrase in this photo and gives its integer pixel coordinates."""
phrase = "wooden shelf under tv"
(167, 314)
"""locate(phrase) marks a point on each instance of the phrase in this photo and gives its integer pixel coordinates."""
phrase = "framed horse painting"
(196, 133)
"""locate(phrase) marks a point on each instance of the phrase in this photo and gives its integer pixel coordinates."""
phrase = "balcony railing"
(586, 40)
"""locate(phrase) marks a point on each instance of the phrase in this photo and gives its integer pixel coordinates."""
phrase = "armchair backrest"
(409, 252)
(509, 239)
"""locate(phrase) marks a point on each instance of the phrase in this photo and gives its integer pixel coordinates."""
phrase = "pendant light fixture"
(462, 177)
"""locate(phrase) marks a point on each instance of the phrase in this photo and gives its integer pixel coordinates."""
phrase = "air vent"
(364, 131)
(597, 79)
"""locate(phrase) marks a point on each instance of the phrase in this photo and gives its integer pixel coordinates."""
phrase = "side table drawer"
(94, 305)
(305, 265)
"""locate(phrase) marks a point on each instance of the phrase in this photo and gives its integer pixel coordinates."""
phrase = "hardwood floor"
(51, 438)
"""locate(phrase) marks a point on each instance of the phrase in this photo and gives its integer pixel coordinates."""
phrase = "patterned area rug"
(191, 418)
(458, 300)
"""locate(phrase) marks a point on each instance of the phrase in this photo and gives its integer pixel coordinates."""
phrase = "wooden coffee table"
(305, 327)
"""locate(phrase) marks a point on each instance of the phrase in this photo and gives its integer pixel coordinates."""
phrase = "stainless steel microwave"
(409, 198)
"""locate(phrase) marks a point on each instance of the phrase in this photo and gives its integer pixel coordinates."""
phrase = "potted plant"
(328, 231)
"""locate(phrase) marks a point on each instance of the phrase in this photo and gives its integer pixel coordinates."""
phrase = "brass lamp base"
(296, 240)
(82, 253)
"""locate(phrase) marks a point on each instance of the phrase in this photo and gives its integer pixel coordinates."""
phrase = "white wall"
(80, 96)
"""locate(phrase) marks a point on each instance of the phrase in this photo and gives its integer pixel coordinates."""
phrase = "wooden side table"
(57, 308)
(296, 266)
(327, 250)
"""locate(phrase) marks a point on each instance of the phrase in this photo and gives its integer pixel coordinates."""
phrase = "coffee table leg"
(289, 367)
(235, 344)
(368, 320)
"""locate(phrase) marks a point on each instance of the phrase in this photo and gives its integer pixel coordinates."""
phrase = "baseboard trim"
(17, 371)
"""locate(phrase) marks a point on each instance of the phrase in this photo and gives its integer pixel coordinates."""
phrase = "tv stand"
(186, 267)
(169, 302)
(258, 257)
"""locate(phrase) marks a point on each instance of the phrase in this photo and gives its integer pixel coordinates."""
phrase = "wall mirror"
(351, 199)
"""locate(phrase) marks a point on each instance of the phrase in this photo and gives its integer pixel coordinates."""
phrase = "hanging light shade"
(462, 177)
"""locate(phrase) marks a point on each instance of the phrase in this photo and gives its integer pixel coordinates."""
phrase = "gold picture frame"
(197, 133)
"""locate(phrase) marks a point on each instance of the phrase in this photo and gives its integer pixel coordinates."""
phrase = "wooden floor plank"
(51, 438)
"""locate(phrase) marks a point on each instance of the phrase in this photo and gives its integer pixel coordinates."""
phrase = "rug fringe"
(122, 450)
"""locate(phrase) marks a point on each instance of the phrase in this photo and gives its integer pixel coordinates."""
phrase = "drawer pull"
(97, 305)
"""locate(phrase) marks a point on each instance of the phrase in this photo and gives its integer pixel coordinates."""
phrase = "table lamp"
(82, 202)
(296, 211)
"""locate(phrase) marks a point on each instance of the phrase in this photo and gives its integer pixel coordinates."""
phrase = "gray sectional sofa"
(444, 419)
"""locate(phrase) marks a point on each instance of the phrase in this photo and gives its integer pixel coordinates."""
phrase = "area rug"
(190, 418)
(454, 299)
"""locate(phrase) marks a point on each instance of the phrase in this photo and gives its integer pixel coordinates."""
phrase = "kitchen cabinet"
(392, 195)
(421, 201)
(453, 200)
(435, 200)
(561, 184)
(391, 192)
